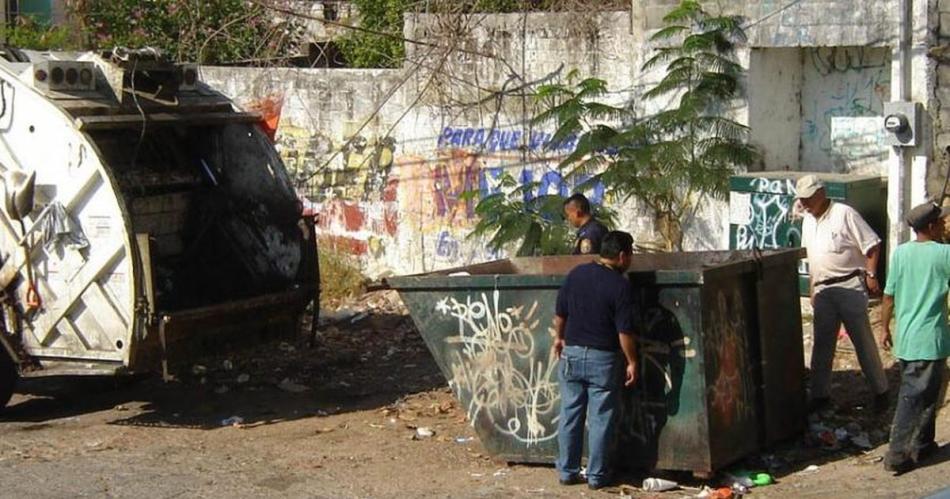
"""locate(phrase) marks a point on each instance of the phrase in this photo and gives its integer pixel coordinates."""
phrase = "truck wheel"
(8, 377)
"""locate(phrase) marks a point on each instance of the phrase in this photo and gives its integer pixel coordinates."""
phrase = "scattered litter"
(321, 413)
(811, 468)
(120, 408)
(534, 491)
(721, 493)
(862, 440)
(344, 384)
(286, 347)
(232, 421)
(228, 365)
(198, 369)
(358, 317)
(377, 426)
(289, 386)
(704, 492)
(221, 390)
(476, 475)
(740, 478)
(324, 430)
(658, 485)
(459, 274)
(423, 432)
(463, 440)
(243, 378)
(841, 434)
(500, 473)
(762, 479)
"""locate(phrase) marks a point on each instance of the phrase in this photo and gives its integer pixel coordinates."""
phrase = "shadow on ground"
(354, 366)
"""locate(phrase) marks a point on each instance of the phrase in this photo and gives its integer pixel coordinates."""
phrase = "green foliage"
(368, 50)
(669, 161)
(209, 31)
(27, 33)
(672, 159)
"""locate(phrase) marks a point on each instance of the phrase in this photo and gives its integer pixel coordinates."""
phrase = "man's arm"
(629, 346)
(874, 255)
(558, 345)
(887, 311)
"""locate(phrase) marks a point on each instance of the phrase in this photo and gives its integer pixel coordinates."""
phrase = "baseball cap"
(924, 214)
(807, 186)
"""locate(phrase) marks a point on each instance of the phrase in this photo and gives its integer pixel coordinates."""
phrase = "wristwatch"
(872, 275)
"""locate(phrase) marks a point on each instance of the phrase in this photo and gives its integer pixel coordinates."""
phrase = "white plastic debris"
(424, 432)
(231, 421)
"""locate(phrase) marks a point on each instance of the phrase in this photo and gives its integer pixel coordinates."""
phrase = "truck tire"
(8, 378)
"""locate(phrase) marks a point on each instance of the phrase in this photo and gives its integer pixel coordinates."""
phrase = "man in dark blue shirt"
(590, 231)
(594, 324)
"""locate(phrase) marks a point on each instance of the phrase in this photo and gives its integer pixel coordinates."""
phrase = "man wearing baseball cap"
(843, 253)
(917, 285)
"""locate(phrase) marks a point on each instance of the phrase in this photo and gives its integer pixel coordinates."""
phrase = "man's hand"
(887, 342)
(631, 376)
(874, 287)
(557, 347)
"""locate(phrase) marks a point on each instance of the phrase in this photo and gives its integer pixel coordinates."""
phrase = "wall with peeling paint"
(386, 156)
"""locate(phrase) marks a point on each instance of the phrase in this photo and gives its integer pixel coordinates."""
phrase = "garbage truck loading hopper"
(157, 224)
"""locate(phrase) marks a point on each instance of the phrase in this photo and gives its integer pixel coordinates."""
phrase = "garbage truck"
(144, 218)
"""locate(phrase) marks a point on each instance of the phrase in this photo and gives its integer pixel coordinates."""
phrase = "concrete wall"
(390, 185)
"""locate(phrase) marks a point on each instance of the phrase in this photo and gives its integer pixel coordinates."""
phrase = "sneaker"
(572, 480)
(596, 486)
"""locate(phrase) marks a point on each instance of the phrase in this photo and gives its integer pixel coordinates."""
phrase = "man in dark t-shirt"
(594, 325)
(590, 231)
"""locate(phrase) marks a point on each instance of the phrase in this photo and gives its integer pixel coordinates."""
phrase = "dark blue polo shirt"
(597, 302)
(589, 237)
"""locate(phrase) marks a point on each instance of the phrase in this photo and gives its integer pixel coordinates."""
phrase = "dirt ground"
(338, 420)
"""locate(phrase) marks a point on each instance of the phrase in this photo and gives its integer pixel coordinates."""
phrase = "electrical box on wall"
(902, 123)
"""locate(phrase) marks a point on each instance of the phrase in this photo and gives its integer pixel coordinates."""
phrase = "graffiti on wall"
(497, 367)
(843, 82)
(764, 218)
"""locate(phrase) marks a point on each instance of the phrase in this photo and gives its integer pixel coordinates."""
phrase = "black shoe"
(572, 480)
(881, 402)
(897, 467)
(597, 486)
(926, 451)
(819, 404)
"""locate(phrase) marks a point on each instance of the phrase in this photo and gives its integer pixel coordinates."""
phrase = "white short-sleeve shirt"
(837, 242)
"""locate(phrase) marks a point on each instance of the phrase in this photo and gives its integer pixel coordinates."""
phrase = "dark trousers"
(916, 414)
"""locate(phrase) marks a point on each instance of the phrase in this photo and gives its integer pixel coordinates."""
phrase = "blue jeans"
(590, 382)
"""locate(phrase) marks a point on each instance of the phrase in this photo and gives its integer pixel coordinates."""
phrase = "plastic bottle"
(658, 485)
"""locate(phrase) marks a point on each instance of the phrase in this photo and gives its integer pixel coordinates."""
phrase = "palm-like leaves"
(665, 160)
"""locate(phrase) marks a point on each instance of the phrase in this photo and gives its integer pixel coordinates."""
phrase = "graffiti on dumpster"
(763, 217)
(733, 389)
(509, 383)
(663, 351)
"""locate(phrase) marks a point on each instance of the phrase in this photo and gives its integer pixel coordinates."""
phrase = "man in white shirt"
(843, 253)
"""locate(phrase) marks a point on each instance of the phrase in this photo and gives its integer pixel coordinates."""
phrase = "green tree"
(27, 33)
(209, 31)
(669, 161)
(363, 49)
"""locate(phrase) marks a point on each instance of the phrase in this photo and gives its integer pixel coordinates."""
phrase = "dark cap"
(925, 214)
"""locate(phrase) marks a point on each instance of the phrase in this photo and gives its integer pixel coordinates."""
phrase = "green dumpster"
(761, 209)
(721, 360)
